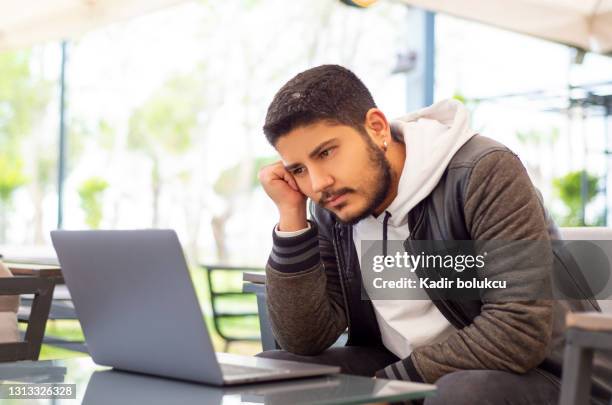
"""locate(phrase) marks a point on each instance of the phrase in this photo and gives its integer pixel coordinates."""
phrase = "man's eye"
(326, 152)
(297, 171)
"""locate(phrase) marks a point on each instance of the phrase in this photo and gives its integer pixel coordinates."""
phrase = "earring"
(385, 146)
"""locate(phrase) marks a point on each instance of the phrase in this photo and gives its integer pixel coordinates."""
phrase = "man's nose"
(320, 180)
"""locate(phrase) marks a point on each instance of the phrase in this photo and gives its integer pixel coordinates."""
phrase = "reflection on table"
(100, 385)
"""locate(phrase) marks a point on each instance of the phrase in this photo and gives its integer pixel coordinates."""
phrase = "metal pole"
(430, 57)
(608, 112)
(584, 180)
(421, 45)
(584, 195)
(62, 140)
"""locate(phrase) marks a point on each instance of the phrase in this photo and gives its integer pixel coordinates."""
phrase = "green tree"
(11, 178)
(569, 189)
(24, 96)
(229, 185)
(163, 126)
(91, 193)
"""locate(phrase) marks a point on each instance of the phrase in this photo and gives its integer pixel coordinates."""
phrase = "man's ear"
(377, 125)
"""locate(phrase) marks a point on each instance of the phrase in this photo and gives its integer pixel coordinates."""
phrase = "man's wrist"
(284, 234)
(292, 220)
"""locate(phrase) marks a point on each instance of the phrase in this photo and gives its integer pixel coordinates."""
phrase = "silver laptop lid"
(136, 303)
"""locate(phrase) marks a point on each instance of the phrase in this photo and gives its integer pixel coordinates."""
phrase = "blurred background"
(118, 115)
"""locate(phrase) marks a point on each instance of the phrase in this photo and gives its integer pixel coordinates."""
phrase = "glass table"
(100, 385)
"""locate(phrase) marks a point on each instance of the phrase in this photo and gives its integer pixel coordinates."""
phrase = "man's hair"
(328, 93)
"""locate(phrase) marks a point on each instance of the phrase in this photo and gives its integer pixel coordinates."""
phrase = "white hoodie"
(432, 136)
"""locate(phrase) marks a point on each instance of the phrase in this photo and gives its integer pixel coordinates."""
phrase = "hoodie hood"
(432, 136)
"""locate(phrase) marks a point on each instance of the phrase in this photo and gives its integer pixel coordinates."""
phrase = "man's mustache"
(326, 196)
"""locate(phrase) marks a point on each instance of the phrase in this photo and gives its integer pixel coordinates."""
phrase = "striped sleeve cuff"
(288, 234)
(295, 253)
(401, 370)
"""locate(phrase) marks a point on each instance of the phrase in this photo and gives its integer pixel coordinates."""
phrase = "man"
(427, 176)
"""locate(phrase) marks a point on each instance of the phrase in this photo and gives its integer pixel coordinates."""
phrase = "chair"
(219, 297)
(587, 332)
(42, 288)
(61, 304)
(62, 308)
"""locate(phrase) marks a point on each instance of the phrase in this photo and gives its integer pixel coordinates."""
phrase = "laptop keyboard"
(232, 369)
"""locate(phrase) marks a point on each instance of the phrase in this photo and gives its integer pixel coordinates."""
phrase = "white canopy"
(584, 24)
(23, 23)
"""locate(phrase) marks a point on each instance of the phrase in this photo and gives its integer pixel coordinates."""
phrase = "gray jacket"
(314, 280)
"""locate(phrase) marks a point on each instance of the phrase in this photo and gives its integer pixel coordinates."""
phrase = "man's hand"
(281, 187)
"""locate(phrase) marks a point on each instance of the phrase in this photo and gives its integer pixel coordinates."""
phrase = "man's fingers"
(290, 180)
(276, 171)
(271, 174)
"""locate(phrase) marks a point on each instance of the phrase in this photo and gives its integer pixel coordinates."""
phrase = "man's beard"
(381, 184)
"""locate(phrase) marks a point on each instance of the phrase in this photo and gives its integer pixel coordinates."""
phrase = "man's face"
(337, 167)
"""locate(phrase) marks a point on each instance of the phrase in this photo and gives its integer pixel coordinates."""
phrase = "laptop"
(139, 312)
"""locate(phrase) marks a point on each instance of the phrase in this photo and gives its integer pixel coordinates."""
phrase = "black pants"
(473, 387)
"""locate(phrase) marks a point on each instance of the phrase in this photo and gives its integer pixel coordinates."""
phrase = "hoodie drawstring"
(385, 220)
